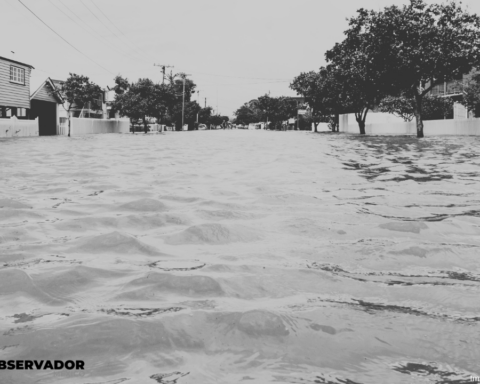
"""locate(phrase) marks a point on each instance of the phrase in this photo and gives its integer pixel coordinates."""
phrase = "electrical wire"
(90, 32)
(118, 29)
(103, 24)
(75, 48)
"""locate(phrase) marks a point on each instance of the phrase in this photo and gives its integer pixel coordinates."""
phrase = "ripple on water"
(115, 242)
(213, 234)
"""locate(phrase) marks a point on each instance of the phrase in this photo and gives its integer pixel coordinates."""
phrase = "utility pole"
(163, 70)
(205, 102)
(183, 99)
(198, 101)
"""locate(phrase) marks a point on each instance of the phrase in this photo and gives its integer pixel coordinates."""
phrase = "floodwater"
(241, 256)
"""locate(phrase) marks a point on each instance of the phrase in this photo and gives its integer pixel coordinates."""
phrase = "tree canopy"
(248, 114)
(144, 99)
(434, 107)
(409, 48)
(79, 92)
(276, 109)
(321, 91)
(471, 94)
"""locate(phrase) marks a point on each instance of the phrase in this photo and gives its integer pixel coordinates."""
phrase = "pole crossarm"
(163, 66)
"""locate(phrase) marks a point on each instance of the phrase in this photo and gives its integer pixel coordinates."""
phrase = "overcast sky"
(234, 50)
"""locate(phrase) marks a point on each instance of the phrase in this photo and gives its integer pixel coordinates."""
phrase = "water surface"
(241, 256)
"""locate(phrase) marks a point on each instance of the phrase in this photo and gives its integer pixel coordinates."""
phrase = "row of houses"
(44, 104)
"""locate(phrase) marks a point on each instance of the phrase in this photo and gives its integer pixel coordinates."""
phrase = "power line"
(241, 84)
(93, 61)
(88, 31)
(118, 29)
(240, 77)
(103, 24)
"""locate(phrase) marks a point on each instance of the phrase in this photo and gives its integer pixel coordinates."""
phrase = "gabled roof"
(51, 83)
(16, 62)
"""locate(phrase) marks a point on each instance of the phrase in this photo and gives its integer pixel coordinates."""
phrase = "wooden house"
(14, 88)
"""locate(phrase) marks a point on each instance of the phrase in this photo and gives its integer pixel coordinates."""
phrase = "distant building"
(454, 89)
(14, 88)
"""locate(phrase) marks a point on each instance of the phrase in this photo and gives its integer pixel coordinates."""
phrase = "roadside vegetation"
(389, 61)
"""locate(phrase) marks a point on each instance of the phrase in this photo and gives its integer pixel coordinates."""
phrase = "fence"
(461, 127)
(82, 126)
(14, 127)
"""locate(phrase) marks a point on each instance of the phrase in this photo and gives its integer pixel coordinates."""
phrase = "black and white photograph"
(239, 191)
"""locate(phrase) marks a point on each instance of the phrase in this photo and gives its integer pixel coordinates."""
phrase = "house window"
(17, 75)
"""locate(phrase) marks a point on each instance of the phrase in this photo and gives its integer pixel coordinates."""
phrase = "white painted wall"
(321, 127)
(463, 127)
(14, 127)
(84, 126)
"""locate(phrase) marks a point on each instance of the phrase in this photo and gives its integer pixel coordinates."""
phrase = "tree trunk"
(361, 122)
(361, 125)
(145, 128)
(361, 117)
(315, 125)
(132, 125)
(69, 122)
(418, 115)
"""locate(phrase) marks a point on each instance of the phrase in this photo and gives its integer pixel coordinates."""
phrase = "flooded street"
(241, 256)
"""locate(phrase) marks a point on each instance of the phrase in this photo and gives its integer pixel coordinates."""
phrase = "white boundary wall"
(321, 127)
(14, 127)
(461, 127)
(83, 126)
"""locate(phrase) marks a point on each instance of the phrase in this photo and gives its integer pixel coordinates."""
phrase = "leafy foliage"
(79, 92)
(407, 49)
(248, 114)
(433, 107)
(145, 99)
(121, 85)
(471, 94)
(190, 114)
(276, 109)
(321, 91)
(354, 82)
(204, 115)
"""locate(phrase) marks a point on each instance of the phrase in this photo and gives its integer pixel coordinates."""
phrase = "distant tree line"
(273, 111)
(141, 101)
(144, 100)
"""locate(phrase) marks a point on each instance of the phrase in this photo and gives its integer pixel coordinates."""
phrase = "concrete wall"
(81, 126)
(464, 127)
(14, 127)
(321, 127)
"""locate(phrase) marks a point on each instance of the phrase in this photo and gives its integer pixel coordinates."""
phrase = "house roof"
(16, 62)
(52, 84)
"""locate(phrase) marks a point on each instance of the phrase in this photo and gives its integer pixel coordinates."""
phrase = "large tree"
(204, 115)
(322, 94)
(275, 110)
(78, 92)
(248, 113)
(144, 99)
(190, 111)
(354, 81)
(409, 48)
